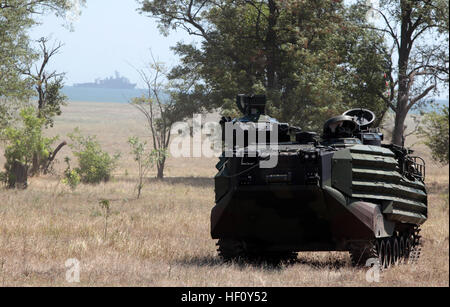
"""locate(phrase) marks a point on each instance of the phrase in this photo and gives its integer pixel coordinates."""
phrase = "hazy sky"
(109, 35)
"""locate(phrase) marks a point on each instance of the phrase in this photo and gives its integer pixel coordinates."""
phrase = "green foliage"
(72, 179)
(94, 164)
(53, 101)
(25, 141)
(140, 152)
(48, 84)
(104, 204)
(71, 176)
(145, 159)
(9, 109)
(17, 56)
(3, 177)
(435, 131)
(312, 59)
(15, 50)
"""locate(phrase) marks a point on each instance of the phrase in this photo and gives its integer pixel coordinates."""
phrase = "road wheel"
(395, 252)
(401, 250)
(388, 254)
(230, 249)
(382, 254)
(408, 245)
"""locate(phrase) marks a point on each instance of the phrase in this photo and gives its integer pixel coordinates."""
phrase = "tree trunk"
(402, 107)
(53, 156)
(18, 176)
(160, 168)
(397, 134)
(139, 190)
(35, 167)
(402, 103)
(403, 79)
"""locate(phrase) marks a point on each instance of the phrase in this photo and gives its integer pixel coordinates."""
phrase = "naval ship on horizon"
(115, 82)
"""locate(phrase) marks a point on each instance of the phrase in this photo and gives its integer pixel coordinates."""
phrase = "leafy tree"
(16, 59)
(17, 54)
(15, 50)
(16, 17)
(21, 144)
(435, 131)
(418, 31)
(48, 85)
(8, 112)
(311, 58)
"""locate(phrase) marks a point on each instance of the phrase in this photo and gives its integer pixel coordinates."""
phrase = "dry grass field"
(163, 238)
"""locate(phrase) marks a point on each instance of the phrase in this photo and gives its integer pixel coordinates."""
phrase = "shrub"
(71, 176)
(94, 164)
(3, 177)
(144, 158)
(434, 130)
(23, 143)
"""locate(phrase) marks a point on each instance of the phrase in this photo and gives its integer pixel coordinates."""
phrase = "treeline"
(313, 59)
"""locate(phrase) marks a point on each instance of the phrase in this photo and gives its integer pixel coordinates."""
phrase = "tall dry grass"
(163, 238)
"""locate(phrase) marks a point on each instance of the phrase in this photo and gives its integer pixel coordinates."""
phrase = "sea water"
(86, 94)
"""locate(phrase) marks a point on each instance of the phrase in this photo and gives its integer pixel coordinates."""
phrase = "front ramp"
(355, 220)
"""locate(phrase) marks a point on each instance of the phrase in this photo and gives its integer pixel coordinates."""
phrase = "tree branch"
(391, 30)
(418, 97)
(53, 156)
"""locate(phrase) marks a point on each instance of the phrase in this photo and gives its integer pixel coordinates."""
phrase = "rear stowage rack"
(414, 167)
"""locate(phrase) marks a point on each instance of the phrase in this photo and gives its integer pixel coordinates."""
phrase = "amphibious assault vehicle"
(343, 192)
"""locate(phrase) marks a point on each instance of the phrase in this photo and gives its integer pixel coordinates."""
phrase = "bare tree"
(418, 31)
(157, 106)
(166, 102)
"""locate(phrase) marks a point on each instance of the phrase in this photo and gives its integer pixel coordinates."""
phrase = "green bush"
(3, 177)
(434, 130)
(94, 164)
(71, 176)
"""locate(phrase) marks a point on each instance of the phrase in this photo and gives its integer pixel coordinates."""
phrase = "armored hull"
(344, 193)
